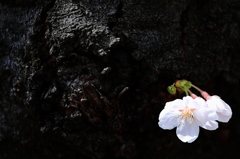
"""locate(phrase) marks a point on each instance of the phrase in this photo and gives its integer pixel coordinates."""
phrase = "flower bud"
(172, 89)
(178, 83)
(188, 84)
(183, 84)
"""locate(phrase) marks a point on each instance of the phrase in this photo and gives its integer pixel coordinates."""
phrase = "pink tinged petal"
(169, 119)
(176, 104)
(210, 125)
(188, 132)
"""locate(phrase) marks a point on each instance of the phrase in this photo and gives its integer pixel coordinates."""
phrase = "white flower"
(187, 115)
(223, 110)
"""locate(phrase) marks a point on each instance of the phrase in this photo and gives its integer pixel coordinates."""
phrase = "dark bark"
(88, 78)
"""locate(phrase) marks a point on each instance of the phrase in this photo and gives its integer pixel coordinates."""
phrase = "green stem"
(197, 88)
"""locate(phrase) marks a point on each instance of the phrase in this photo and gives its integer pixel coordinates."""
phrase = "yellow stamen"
(187, 114)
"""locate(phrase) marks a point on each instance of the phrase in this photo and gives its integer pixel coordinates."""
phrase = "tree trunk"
(88, 78)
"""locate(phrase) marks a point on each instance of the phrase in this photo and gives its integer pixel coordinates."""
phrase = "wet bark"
(88, 78)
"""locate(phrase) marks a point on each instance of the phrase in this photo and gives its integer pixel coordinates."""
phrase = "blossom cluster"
(192, 112)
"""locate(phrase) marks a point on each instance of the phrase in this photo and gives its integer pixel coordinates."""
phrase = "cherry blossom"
(222, 109)
(187, 115)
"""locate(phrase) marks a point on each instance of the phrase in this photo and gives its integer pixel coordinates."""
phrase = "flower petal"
(190, 102)
(169, 119)
(176, 104)
(210, 125)
(223, 118)
(202, 116)
(205, 114)
(188, 132)
(222, 106)
(201, 102)
(223, 110)
(211, 114)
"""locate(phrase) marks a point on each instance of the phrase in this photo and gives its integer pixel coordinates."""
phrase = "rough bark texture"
(87, 78)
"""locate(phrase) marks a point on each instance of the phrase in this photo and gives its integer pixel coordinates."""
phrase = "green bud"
(178, 83)
(172, 89)
(183, 84)
(188, 84)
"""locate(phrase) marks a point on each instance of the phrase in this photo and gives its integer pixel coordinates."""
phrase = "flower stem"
(203, 93)
(186, 91)
(197, 88)
(192, 94)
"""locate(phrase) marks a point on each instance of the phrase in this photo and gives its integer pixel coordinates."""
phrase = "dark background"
(88, 78)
